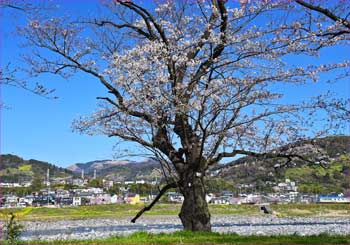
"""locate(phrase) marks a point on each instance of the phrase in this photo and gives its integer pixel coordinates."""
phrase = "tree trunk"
(194, 213)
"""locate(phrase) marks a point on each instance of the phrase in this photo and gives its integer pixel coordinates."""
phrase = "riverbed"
(242, 225)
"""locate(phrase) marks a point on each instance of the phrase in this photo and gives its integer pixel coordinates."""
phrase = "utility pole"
(82, 174)
(48, 186)
(94, 173)
(48, 178)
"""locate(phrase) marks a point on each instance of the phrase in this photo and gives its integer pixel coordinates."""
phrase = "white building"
(76, 201)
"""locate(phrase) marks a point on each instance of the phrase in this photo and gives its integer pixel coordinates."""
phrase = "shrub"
(12, 229)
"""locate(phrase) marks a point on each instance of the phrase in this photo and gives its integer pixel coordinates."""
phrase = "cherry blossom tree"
(197, 82)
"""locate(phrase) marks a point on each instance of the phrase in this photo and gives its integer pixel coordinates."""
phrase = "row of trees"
(196, 82)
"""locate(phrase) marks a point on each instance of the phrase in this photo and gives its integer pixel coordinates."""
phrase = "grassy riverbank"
(119, 210)
(185, 237)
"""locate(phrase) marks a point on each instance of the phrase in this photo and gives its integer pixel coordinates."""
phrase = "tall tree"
(196, 82)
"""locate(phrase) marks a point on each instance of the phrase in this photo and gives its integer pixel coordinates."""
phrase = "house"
(235, 200)
(44, 200)
(65, 201)
(227, 194)
(62, 181)
(62, 193)
(10, 185)
(78, 182)
(100, 199)
(108, 183)
(287, 186)
(132, 198)
(94, 190)
(208, 197)
(76, 201)
(11, 201)
(307, 198)
(333, 198)
(106, 198)
(129, 182)
(175, 197)
(293, 196)
(117, 199)
(25, 201)
(270, 198)
(219, 200)
(251, 199)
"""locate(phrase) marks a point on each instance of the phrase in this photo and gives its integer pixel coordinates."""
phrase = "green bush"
(12, 229)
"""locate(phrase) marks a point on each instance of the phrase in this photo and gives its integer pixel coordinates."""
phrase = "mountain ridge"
(97, 164)
(242, 170)
(120, 170)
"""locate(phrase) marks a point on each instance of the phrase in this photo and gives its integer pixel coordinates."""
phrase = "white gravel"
(243, 225)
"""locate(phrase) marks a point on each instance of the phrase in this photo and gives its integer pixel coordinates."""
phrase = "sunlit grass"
(186, 237)
(119, 210)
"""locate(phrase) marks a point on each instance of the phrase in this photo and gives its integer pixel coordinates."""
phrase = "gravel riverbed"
(243, 225)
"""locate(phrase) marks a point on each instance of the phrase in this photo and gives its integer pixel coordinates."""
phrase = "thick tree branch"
(132, 139)
(182, 127)
(162, 142)
(181, 71)
(149, 36)
(156, 199)
(258, 155)
(325, 12)
(217, 50)
(146, 15)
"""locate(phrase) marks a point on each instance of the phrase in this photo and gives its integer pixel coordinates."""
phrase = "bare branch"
(258, 155)
(155, 200)
(144, 14)
(325, 12)
(149, 36)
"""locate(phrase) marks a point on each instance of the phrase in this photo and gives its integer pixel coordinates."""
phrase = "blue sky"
(39, 128)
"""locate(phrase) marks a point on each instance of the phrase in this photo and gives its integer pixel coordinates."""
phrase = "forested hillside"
(16, 169)
(262, 174)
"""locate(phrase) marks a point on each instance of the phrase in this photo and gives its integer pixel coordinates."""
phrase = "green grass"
(312, 209)
(118, 210)
(26, 167)
(186, 237)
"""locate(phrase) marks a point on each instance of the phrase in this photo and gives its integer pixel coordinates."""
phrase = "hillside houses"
(284, 192)
(22, 184)
(287, 186)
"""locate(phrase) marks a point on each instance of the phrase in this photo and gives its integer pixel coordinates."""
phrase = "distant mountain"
(16, 169)
(336, 177)
(98, 165)
(120, 170)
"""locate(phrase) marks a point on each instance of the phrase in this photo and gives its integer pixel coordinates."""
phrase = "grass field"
(118, 210)
(186, 237)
